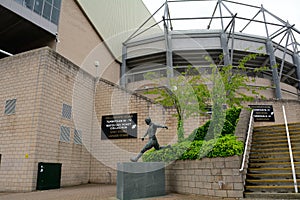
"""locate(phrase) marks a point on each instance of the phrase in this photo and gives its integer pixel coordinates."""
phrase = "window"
(38, 6)
(10, 107)
(77, 137)
(64, 134)
(55, 15)
(66, 111)
(47, 10)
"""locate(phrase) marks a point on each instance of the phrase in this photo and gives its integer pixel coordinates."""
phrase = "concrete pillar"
(224, 45)
(296, 58)
(270, 51)
(123, 66)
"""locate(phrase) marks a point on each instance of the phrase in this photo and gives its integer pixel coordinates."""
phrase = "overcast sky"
(284, 9)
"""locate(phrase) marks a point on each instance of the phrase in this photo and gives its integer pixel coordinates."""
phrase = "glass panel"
(29, 4)
(49, 1)
(38, 6)
(55, 16)
(19, 1)
(57, 3)
(47, 11)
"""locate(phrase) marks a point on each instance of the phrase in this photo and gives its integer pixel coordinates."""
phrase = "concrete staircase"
(269, 172)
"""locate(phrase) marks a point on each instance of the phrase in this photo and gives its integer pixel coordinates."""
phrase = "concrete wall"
(80, 43)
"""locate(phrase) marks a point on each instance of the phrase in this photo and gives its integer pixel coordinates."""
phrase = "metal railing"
(290, 150)
(247, 141)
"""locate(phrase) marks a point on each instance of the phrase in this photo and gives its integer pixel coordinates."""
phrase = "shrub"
(167, 155)
(196, 147)
(232, 115)
(223, 147)
(226, 146)
(192, 153)
(199, 133)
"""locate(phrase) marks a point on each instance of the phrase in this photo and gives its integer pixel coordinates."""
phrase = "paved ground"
(87, 192)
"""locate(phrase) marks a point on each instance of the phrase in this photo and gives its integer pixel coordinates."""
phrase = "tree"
(192, 91)
(186, 92)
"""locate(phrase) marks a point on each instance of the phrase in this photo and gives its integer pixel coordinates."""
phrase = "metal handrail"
(290, 150)
(247, 141)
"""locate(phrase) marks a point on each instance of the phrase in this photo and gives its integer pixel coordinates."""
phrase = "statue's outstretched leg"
(164, 147)
(135, 159)
(146, 148)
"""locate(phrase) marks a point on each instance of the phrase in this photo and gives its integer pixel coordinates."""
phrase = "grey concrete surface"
(140, 180)
(88, 192)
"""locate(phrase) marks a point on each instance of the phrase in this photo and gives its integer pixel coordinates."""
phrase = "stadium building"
(73, 73)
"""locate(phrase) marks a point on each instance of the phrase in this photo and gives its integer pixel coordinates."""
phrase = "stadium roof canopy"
(255, 25)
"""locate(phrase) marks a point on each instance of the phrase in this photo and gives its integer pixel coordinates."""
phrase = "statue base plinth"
(140, 180)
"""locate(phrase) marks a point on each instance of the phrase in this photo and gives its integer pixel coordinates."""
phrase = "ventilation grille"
(77, 137)
(64, 134)
(66, 111)
(10, 106)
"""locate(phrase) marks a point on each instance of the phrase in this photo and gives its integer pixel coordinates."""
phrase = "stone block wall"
(111, 99)
(41, 81)
(19, 80)
(215, 177)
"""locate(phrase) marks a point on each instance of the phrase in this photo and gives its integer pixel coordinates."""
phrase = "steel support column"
(169, 56)
(168, 42)
(224, 45)
(123, 66)
(270, 51)
(296, 58)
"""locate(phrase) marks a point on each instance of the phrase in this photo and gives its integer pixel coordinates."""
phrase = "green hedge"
(231, 120)
(222, 147)
(196, 147)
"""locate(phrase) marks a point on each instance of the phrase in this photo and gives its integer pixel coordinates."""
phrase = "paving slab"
(89, 192)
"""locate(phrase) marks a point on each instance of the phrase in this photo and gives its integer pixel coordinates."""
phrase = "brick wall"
(42, 81)
(215, 177)
(111, 99)
(19, 80)
(211, 177)
(292, 109)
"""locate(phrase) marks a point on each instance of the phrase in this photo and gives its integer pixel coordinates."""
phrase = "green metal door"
(49, 175)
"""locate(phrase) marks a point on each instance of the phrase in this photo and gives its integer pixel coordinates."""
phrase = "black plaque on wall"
(263, 113)
(119, 126)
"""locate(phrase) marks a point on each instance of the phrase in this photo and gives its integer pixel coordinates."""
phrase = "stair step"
(272, 149)
(266, 146)
(272, 154)
(297, 124)
(270, 195)
(271, 188)
(274, 140)
(272, 182)
(270, 176)
(270, 170)
(274, 159)
(270, 164)
(275, 137)
(277, 131)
